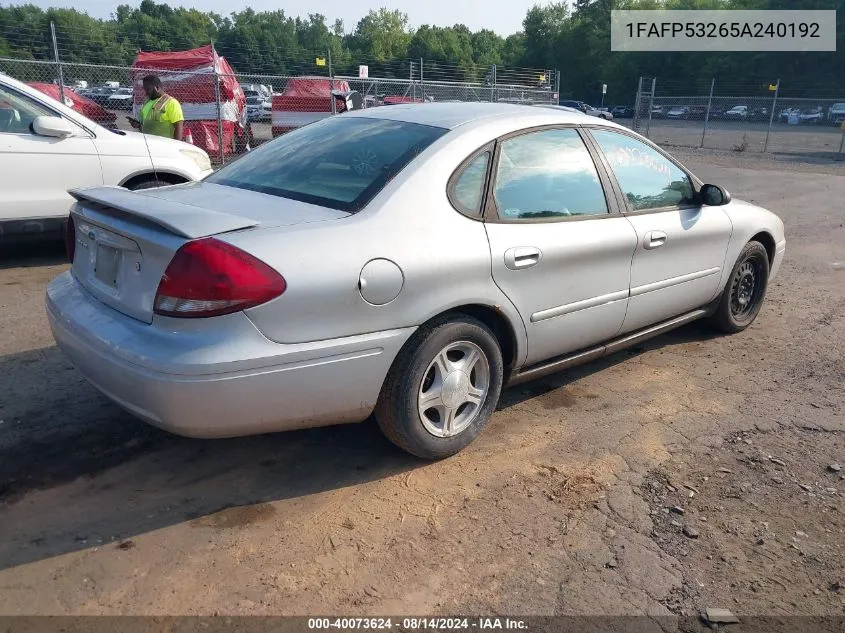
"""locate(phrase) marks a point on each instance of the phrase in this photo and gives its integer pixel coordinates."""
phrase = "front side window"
(17, 112)
(468, 190)
(648, 179)
(340, 162)
(547, 174)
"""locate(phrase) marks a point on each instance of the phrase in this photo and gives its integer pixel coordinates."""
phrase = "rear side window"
(340, 162)
(547, 174)
(468, 188)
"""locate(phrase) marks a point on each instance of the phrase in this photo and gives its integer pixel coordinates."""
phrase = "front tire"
(743, 295)
(442, 387)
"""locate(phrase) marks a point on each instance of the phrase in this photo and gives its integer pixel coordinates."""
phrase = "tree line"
(574, 39)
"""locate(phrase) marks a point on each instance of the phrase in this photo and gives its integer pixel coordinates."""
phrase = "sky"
(502, 16)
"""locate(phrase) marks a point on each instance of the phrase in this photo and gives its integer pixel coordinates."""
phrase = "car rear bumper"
(218, 377)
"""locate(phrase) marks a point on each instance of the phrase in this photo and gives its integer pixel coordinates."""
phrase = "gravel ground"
(563, 506)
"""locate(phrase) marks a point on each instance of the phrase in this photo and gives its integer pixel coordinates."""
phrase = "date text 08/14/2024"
(418, 624)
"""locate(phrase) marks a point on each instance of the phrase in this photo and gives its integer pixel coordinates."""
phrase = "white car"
(46, 148)
(258, 108)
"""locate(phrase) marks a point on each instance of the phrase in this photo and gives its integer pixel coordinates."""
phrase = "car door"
(681, 245)
(561, 251)
(37, 171)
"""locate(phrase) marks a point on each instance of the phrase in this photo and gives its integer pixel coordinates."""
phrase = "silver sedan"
(405, 261)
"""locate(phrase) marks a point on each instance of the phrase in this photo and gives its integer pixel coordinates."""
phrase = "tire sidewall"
(752, 251)
(421, 357)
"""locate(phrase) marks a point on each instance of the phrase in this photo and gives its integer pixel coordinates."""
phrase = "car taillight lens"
(70, 238)
(208, 278)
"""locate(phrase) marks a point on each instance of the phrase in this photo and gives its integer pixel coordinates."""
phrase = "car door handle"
(654, 239)
(522, 257)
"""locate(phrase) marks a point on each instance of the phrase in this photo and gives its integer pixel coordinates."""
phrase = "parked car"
(836, 114)
(588, 110)
(786, 113)
(736, 113)
(697, 112)
(258, 108)
(99, 95)
(47, 148)
(585, 108)
(120, 99)
(811, 116)
(602, 114)
(658, 112)
(759, 114)
(576, 105)
(257, 90)
(678, 112)
(622, 112)
(372, 263)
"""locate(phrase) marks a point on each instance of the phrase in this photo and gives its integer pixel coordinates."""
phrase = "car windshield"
(254, 100)
(340, 162)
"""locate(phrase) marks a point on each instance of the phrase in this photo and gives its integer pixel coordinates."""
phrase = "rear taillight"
(70, 238)
(209, 278)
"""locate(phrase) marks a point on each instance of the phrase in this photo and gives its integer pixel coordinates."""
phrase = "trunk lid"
(125, 240)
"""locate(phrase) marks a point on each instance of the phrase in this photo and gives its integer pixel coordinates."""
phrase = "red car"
(83, 105)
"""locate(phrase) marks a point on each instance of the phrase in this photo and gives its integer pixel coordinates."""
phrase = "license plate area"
(107, 265)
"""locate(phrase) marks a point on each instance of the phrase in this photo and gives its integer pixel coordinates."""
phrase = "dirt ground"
(694, 471)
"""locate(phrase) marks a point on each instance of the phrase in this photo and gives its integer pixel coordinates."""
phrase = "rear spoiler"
(184, 220)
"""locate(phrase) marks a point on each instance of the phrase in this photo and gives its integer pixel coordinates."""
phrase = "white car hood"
(137, 144)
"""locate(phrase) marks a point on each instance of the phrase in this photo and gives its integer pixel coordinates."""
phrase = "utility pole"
(58, 63)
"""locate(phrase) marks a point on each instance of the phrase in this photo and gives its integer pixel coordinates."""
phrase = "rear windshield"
(340, 162)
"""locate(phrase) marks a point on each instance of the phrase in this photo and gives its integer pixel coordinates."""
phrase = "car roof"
(452, 115)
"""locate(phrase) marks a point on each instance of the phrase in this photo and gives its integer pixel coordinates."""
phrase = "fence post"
(331, 82)
(220, 153)
(650, 107)
(771, 117)
(422, 85)
(58, 63)
(707, 114)
(638, 102)
(557, 86)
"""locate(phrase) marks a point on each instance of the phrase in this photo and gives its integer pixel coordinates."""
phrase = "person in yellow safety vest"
(161, 114)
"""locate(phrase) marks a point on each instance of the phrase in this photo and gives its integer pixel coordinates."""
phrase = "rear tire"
(743, 295)
(442, 388)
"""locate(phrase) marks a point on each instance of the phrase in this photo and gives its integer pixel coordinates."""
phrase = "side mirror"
(52, 126)
(714, 195)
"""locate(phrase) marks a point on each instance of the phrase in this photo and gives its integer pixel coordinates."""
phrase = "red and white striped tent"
(305, 100)
(192, 78)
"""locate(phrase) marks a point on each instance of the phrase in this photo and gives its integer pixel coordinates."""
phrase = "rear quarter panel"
(444, 257)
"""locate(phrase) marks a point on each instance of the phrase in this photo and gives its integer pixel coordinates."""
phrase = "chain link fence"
(750, 117)
(227, 113)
